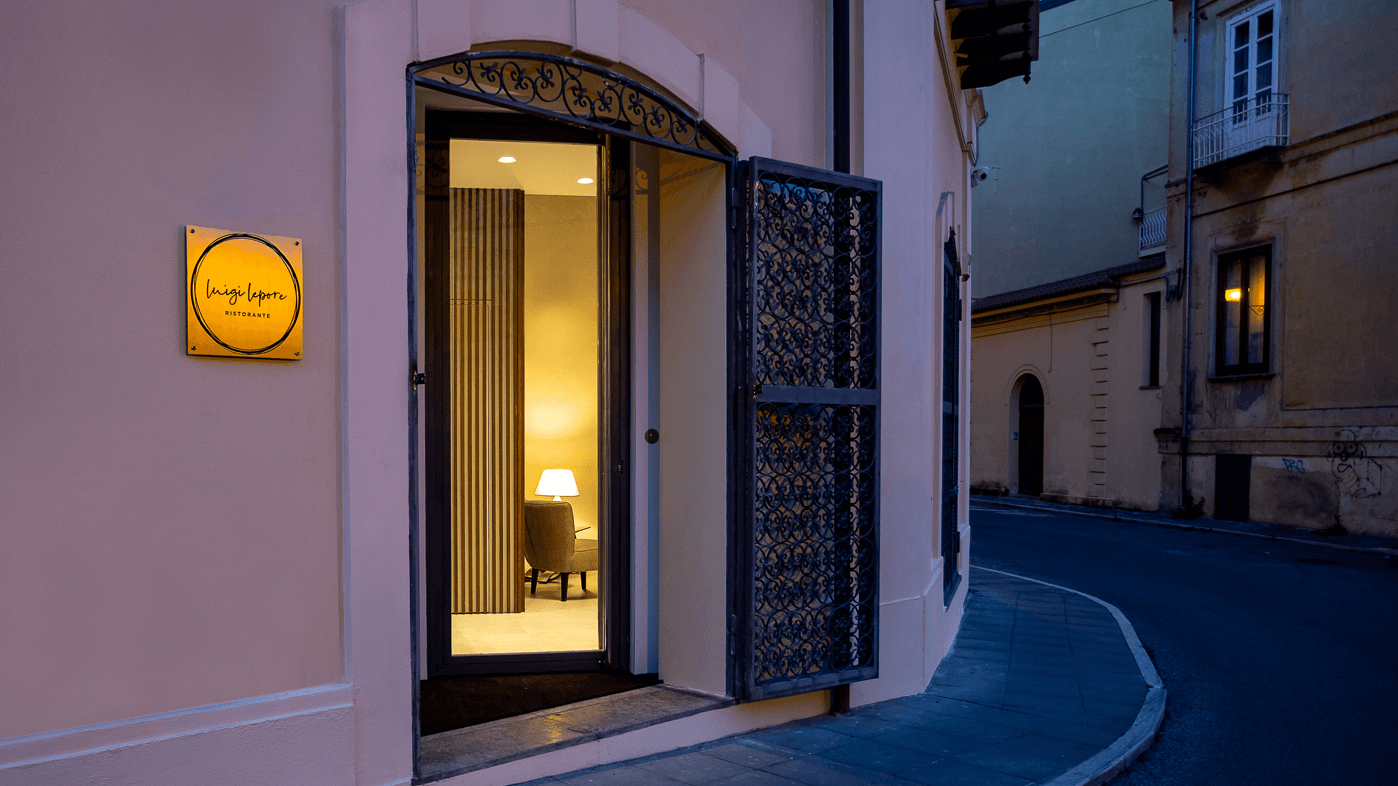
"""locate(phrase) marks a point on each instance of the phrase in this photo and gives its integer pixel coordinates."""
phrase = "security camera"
(978, 175)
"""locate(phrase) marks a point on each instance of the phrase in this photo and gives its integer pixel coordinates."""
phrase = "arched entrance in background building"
(1031, 435)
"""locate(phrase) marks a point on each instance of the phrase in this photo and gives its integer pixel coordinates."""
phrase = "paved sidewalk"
(1043, 685)
(1348, 541)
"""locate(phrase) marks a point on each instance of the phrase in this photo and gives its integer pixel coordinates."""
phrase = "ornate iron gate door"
(807, 577)
(951, 417)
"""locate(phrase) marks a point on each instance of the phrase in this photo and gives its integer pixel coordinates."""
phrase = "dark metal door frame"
(614, 385)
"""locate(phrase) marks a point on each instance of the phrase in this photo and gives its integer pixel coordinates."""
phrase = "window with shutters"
(951, 418)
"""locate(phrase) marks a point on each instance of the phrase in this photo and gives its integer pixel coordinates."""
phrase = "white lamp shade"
(557, 483)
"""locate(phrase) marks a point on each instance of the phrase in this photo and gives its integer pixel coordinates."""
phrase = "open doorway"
(657, 231)
(525, 425)
(523, 338)
(1031, 435)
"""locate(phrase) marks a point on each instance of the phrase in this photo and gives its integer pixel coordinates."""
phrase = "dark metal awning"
(995, 39)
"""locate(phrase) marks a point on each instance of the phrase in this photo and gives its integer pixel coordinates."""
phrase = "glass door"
(519, 474)
(1251, 72)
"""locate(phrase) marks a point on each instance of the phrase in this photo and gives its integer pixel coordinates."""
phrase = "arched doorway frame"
(556, 90)
(564, 89)
(379, 40)
(1013, 399)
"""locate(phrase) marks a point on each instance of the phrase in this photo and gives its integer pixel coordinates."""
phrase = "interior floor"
(548, 624)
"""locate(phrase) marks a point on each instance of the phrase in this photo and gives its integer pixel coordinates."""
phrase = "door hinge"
(417, 378)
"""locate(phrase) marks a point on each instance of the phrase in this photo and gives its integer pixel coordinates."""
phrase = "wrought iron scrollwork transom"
(577, 92)
(811, 320)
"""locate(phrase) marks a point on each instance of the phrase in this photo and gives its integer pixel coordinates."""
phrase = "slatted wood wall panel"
(487, 400)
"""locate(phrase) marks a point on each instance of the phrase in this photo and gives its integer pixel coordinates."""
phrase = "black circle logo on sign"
(255, 342)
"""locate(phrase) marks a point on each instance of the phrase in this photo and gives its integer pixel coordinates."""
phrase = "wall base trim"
(84, 740)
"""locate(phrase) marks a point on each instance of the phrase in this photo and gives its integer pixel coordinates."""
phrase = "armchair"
(551, 544)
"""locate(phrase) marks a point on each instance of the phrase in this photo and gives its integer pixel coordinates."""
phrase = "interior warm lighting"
(1233, 295)
(585, 180)
(556, 483)
(536, 168)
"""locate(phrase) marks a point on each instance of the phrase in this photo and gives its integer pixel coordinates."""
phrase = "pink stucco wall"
(913, 126)
(171, 524)
(776, 49)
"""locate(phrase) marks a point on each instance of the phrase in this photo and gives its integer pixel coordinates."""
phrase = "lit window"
(1244, 330)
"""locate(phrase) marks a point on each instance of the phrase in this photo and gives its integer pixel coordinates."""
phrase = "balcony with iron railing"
(1151, 213)
(1152, 231)
(1245, 126)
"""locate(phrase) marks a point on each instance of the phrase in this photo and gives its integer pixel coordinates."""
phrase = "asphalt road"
(1281, 660)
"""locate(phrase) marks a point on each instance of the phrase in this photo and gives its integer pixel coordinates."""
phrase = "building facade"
(1068, 388)
(1068, 273)
(1281, 186)
(1065, 154)
(224, 568)
(1258, 383)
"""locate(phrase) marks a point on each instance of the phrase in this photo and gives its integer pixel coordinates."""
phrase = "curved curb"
(1116, 757)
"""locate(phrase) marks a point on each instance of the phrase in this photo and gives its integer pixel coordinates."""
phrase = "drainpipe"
(840, 32)
(841, 119)
(1186, 389)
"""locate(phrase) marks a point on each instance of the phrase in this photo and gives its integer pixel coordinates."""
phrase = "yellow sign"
(244, 294)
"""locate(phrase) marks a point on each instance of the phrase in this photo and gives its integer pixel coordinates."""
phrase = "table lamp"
(557, 483)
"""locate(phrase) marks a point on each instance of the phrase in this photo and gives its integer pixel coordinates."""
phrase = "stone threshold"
(452, 753)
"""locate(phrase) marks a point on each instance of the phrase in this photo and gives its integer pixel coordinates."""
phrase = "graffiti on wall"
(1358, 475)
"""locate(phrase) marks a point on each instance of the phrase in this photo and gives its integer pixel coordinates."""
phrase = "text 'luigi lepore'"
(253, 296)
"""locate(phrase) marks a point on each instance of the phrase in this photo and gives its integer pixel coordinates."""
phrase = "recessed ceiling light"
(584, 180)
(506, 159)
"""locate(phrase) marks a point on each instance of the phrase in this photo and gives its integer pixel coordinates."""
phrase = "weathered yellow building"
(1062, 406)
(1268, 321)
(1284, 136)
